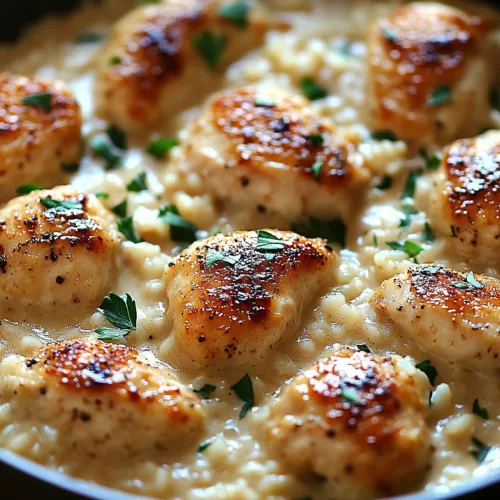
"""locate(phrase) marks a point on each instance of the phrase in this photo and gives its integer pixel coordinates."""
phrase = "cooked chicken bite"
(104, 401)
(357, 420)
(465, 201)
(160, 56)
(449, 314)
(39, 132)
(270, 148)
(231, 298)
(429, 73)
(58, 252)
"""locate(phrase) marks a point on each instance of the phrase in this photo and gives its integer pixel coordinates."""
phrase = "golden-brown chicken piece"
(231, 298)
(465, 200)
(103, 401)
(270, 148)
(39, 132)
(451, 315)
(58, 252)
(357, 420)
(161, 57)
(429, 73)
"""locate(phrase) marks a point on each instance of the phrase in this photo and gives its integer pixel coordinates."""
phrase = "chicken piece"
(58, 252)
(450, 315)
(104, 401)
(160, 57)
(429, 73)
(37, 139)
(465, 200)
(270, 148)
(357, 420)
(232, 298)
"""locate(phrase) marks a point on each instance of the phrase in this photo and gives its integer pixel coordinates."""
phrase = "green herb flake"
(350, 395)
(210, 47)
(389, 35)
(479, 410)
(453, 233)
(236, 13)
(64, 204)
(441, 95)
(410, 184)
(481, 450)
(121, 312)
(203, 446)
(27, 188)
(264, 102)
(269, 244)
(117, 136)
(384, 135)
(42, 100)
(180, 229)
(408, 247)
(85, 38)
(316, 169)
(103, 196)
(103, 149)
(471, 279)
(426, 367)
(213, 256)
(385, 183)
(432, 162)
(428, 235)
(121, 208)
(114, 60)
(312, 90)
(159, 148)
(244, 390)
(364, 348)
(315, 139)
(205, 391)
(432, 269)
(70, 168)
(333, 230)
(461, 285)
(126, 227)
(138, 183)
(408, 212)
(375, 241)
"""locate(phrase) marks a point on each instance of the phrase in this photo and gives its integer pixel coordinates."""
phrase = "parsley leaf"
(264, 102)
(101, 148)
(316, 169)
(333, 230)
(180, 229)
(41, 100)
(441, 95)
(126, 227)
(138, 183)
(433, 269)
(89, 38)
(408, 211)
(244, 390)
(114, 60)
(426, 367)
(433, 162)
(214, 256)
(384, 135)
(389, 35)
(469, 283)
(269, 244)
(453, 233)
(315, 139)
(70, 167)
(350, 395)
(210, 47)
(385, 183)
(410, 184)
(160, 147)
(121, 312)
(205, 391)
(428, 234)
(117, 136)
(364, 348)
(481, 451)
(375, 241)
(203, 446)
(312, 90)
(480, 411)
(27, 188)
(102, 195)
(121, 208)
(65, 204)
(236, 13)
(408, 247)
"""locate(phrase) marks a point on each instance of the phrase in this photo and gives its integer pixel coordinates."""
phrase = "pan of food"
(170, 172)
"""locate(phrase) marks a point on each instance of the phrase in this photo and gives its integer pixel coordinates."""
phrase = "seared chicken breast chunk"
(357, 420)
(104, 401)
(452, 315)
(160, 56)
(231, 298)
(429, 72)
(40, 124)
(270, 148)
(465, 200)
(58, 252)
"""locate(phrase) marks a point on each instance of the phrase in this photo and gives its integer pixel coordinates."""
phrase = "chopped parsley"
(408, 247)
(205, 391)
(210, 47)
(364, 348)
(117, 136)
(244, 390)
(236, 13)
(441, 95)
(410, 184)
(432, 162)
(350, 395)
(269, 244)
(469, 283)
(27, 188)
(428, 235)
(159, 148)
(408, 211)
(114, 60)
(264, 102)
(453, 233)
(389, 35)
(89, 38)
(42, 100)
(126, 227)
(180, 229)
(385, 183)
(103, 149)
(121, 312)
(70, 167)
(316, 169)
(121, 208)
(213, 256)
(315, 139)
(203, 446)
(375, 241)
(426, 367)
(479, 410)
(65, 204)
(433, 269)
(138, 183)
(481, 450)
(333, 230)
(312, 90)
(102, 195)
(384, 135)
